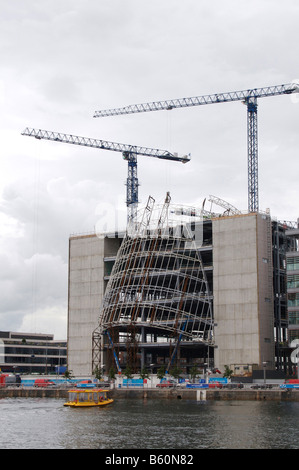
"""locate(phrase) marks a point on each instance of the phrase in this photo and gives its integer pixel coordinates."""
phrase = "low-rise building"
(27, 353)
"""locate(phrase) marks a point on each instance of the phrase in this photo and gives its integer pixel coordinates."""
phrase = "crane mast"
(129, 153)
(248, 97)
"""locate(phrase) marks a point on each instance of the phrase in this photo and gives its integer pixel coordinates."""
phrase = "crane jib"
(126, 149)
(243, 95)
(248, 97)
(129, 153)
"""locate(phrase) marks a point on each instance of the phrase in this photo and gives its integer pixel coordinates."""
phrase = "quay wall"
(212, 394)
(32, 392)
(194, 394)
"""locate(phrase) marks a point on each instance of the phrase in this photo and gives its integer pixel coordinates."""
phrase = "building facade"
(157, 308)
(90, 262)
(27, 353)
(243, 292)
(243, 259)
(292, 258)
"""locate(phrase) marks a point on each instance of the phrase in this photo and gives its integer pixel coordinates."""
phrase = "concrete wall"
(86, 288)
(242, 289)
(265, 291)
(199, 395)
(240, 280)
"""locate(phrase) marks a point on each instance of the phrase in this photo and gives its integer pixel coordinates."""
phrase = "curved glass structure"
(157, 298)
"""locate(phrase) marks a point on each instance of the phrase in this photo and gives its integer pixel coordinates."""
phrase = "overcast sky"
(63, 60)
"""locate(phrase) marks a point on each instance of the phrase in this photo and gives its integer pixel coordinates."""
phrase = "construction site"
(205, 288)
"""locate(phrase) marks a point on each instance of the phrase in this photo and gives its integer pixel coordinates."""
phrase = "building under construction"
(181, 287)
(158, 302)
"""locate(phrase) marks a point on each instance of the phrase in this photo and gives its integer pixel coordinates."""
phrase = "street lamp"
(151, 367)
(264, 366)
(58, 367)
(205, 370)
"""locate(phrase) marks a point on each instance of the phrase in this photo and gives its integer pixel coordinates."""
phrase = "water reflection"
(149, 424)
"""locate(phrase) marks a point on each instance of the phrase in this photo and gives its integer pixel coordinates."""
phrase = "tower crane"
(229, 208)
(193, 212)
(129, 152)
(248, 97)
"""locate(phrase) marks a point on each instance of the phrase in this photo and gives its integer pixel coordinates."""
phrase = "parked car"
(43, 383)
(86, 384)
(261, 386)
(10, 380)
(182, 384)
(233, 385)
(291, 383)
(215, 385)
(166, 383)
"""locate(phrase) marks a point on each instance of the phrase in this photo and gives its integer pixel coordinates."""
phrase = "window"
(293, 334)
(293, 300)
(292, 263)
(293, 281)
(294, 318)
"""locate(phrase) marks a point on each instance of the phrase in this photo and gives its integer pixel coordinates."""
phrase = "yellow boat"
(88, 397)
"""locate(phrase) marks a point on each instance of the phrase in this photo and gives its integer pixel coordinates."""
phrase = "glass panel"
(95, 397)
(293, 263)
(293, 300)
(293, 281)
(294, 318)
(293, 334)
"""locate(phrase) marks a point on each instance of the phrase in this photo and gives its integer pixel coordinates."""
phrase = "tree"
(112, 373)
(176, 372)
(128, 372)
(227, 372)
(194, 372)
(98, 373)
(68, 374)
(161, 372)
(144, 373)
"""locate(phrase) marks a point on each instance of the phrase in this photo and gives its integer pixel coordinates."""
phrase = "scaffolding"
(157, 292)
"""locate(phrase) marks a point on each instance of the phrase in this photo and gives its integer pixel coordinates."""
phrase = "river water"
(33, 423)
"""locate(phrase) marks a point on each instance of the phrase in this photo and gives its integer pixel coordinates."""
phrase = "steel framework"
(157, 287)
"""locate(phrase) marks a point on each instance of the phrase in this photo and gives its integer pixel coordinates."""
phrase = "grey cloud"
(60, 61)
